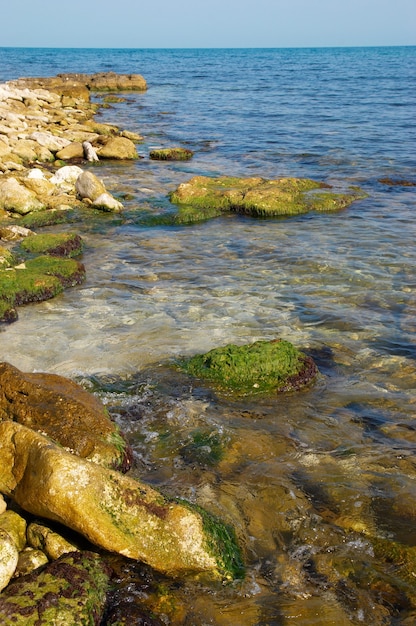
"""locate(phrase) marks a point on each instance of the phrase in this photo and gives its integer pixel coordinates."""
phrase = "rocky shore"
(62, 457)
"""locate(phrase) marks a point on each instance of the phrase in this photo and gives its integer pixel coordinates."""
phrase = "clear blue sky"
(207, 23)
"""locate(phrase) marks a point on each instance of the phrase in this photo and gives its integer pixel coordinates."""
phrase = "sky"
(207, 23)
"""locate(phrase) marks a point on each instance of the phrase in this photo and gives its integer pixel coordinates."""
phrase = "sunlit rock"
(112, 510)
(57, 406)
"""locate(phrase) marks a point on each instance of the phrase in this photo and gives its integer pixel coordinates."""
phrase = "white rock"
(106, 202)
(9, 556)
(47, 140)
(36, 173)
(66, 177)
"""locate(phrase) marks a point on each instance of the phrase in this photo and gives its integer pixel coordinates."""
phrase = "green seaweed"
(171, 154)
(221, 543)
(259, 197)
(259, 367)
(204, 447)
(58, 244)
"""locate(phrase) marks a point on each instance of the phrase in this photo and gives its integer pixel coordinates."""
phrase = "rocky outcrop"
(111, 510)
(58, 407)
(260, 197)
(77, 85)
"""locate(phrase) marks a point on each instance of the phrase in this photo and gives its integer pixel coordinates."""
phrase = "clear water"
(311, 481)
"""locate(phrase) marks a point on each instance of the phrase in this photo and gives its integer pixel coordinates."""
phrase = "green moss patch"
(63, 244)
(260, 197)
(38, 279)
(263, 366)
(171, 154)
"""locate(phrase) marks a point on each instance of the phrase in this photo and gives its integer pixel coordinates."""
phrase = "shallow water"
(314, 482)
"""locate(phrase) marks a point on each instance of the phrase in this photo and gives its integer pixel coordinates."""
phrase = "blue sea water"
(340, 286)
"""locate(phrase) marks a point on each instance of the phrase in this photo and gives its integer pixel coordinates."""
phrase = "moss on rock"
(263, 366)
(61, 244)
(71, 590)
(171, 154)
(260, 197)
(36, 280)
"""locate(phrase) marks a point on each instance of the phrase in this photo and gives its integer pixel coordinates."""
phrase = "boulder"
(52, 544)
(72, 151)
(58, 407)
(118, 148)
(89, 186)
(9, 556)
(260, 197)
(113, 511)
(16, 198)
(29, 560)
(66, 177)
(106, 202)
(263, 366)
(71, 590)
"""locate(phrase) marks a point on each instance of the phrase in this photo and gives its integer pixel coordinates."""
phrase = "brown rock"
(63, 410)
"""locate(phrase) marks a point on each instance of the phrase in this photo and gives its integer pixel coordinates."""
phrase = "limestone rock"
(111, 510)
(51, 543)
(72, 151)
(17, 198)
(49, 141)
(29, 560)
(66, 177)
(118, 148)
(89, 186)
(15, 526)
(9, 555)
(106, 202)
(63, 410)
(69, 591)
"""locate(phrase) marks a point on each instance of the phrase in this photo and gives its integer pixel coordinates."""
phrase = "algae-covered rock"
(262, 366)
(260, 197)
(29, 560)
(63, 410)
(71, 590)
(113, 511)
(52, 544)
(36, 280)
(171, 154)
(60, 244)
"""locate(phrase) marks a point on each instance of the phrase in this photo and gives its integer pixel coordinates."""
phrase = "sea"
(320, 484)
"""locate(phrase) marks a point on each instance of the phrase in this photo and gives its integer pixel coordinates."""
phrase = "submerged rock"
(58, 407)
(113, 511)
(263, 366)
(171, 154)
(71, 590)
(260, 197)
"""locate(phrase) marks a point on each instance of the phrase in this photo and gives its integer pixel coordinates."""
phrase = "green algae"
(221, 543)
(263, 366)
(171, 154)
(204, 448)
(71, 590)
(259, 197)
(40, 219)
(36, 280)
(60, 244)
